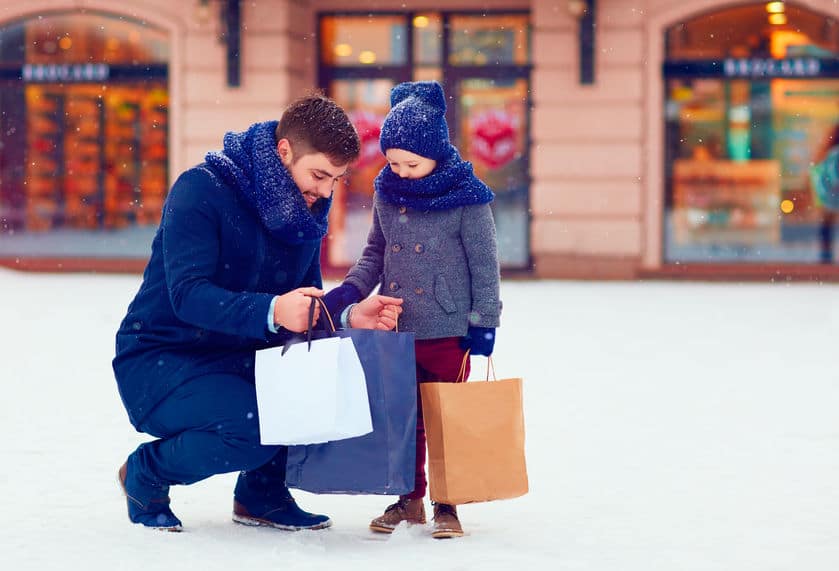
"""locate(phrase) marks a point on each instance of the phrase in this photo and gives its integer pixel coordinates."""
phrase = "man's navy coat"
(203, 305)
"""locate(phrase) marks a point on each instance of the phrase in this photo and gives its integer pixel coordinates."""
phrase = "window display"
(746, 115)
(482, 60)
(93, 146)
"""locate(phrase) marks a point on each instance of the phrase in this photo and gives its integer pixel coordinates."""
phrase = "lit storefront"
(484, 62)
(752, 101)
(623, 138)
(83, 130)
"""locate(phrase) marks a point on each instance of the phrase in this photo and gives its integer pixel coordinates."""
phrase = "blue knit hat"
(417, 120)
(824, 179)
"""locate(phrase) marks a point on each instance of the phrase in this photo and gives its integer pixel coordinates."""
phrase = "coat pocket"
(443, 295)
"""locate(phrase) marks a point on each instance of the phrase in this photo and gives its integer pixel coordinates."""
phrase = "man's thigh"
(210, 402)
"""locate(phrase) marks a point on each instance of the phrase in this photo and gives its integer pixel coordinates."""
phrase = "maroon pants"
(438, 360)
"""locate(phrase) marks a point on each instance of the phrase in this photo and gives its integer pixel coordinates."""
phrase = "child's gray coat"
(443, 263)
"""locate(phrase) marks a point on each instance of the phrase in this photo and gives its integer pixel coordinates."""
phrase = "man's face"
(313, 173)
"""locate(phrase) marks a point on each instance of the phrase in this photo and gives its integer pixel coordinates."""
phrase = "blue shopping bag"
(383, 461)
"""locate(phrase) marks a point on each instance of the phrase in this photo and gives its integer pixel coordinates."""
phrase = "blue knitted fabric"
(250, 163)
(450, 185)
(416, 121)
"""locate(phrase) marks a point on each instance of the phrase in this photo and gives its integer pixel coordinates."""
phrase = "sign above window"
(753, 68)
(768, 67)
(49, 72)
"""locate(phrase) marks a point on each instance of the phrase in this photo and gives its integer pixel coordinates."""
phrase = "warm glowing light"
(781, 39)
(777, 19)
(367, 57)
(421, 21)
(787, 206)
(65, 43)
(343, 50)
(202, 11)
(775, 7)
(578, 8)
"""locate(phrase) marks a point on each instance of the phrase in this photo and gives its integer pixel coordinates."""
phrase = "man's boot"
(282, 514)
(411, 510)
(446, 523)
(261, 500)
(147, 505)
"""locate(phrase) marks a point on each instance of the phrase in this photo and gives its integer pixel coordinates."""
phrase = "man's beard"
(316, 205)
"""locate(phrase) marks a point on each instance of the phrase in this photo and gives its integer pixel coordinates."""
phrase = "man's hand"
(291, 310)
(376, 312)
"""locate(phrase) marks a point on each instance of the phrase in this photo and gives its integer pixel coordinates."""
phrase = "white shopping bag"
(311, 394)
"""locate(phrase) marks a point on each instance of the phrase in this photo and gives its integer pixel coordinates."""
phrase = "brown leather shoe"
(446, 523)
(411, 510)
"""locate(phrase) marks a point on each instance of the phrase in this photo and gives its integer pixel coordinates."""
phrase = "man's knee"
(242, 435)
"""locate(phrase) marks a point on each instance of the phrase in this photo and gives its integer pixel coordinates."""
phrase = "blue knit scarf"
(450, 185)
(250, 163)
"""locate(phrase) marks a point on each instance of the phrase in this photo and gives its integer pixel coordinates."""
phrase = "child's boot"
(411, 510)
(446, 523)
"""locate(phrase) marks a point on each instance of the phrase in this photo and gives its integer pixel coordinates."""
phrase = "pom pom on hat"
(417, 120)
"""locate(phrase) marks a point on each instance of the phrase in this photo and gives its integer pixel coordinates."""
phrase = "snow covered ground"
(670, 426)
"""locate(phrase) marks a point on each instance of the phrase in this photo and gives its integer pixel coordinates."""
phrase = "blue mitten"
(479, 340)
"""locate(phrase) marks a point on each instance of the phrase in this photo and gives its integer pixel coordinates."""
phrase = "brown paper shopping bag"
(475, 436)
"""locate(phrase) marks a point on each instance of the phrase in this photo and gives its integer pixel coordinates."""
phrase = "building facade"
(623, 138)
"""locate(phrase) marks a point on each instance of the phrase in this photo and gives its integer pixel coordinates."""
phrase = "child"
(432, 244)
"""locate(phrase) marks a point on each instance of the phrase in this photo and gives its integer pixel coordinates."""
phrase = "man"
(233, 268)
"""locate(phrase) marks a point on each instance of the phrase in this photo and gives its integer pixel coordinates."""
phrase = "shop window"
(84, 102)
(486, 76)
(752, 102)
(493, 137)
(363, 40)
(489, 40)
(428, 39)
(366, 102)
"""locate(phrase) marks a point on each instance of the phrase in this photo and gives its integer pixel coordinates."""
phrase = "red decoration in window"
(493, 140)
(369, 127)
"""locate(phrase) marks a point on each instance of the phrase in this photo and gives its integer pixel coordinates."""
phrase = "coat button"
(393, 286)
(396, 247)
(419, 291)
(403, 209)
(419, 248)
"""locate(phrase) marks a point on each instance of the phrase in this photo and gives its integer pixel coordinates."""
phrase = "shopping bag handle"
(491, 367)
(462, 374)
(298, 339)
(331, 329)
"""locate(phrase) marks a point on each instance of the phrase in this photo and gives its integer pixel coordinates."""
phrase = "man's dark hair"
(316, 124)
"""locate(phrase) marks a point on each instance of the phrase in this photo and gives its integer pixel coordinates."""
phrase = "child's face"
(409, 165)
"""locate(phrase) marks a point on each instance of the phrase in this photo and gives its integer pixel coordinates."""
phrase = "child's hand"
(376, 312)
(479, 340)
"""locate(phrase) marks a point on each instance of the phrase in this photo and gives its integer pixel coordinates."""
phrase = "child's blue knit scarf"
(251, 164)
(450, 185)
